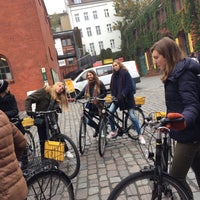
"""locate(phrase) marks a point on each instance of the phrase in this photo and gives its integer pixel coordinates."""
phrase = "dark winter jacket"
(121, 87)
(41, 98)
(8, 105)
(182, 96)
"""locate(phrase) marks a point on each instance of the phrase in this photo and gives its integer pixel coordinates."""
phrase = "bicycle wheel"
(51, 184)
(102, 135)
(132, 133)
(82, 135)
(70, 165)
(144, 185)
(30, 152)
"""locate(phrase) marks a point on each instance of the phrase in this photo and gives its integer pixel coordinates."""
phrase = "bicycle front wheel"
(102, 136)
(71, 163)
(30, 151)
(144, 185)
(132, 133)
(51, 184)
(82, 135)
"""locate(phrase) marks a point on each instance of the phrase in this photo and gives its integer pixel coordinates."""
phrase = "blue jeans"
(132, 116)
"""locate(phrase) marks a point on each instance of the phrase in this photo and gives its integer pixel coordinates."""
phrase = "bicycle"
(45, 181)
(152, 182)
(83, 125)
(64, 144)
(24, 126)
(123, 123)
(149, 129)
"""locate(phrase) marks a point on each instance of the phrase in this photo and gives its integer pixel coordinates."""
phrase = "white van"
(104, 73)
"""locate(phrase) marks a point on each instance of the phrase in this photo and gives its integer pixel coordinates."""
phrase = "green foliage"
(55, 21)
(138, 35)
(105, 54)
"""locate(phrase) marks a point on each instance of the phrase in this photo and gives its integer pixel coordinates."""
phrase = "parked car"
(104, 73)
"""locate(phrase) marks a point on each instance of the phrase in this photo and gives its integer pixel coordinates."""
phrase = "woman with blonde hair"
(47, 98)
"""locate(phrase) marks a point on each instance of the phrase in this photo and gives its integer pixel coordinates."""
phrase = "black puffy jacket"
(182, 95)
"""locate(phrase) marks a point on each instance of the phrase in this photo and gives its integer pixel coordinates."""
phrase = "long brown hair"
(171, 52)
(96, 83)
(61, 98)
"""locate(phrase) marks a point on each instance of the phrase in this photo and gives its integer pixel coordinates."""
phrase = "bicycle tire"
(69, 166)
(31, 148)
(51, 184)
(140, 186)
(132, 133)
(102, 136)
(82, 135)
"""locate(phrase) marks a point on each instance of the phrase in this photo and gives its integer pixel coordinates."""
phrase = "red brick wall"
(27, 43)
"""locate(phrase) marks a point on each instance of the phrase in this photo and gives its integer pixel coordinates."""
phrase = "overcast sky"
(54, 6)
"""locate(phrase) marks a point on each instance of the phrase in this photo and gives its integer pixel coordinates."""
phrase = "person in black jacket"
(123, 89)
(182, 96)
(94, 88)
(8, 105)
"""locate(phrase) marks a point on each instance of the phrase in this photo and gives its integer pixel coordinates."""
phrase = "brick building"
(28, 57)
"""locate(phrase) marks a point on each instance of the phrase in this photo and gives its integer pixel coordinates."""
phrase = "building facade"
(28, 58)
(95, 19)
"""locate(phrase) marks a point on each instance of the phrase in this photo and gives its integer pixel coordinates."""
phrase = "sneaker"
(112, 134)
(141, 139)
(69, 154)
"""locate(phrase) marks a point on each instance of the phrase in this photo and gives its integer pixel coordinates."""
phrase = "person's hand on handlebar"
(178, 126)
(31, 114)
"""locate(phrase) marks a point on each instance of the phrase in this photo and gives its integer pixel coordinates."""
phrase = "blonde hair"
(122, 66)
(60, 98)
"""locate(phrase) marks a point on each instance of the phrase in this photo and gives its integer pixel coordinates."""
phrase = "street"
(123, 156)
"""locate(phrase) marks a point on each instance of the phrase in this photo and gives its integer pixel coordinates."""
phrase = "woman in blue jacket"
(182, 95)
(121, 87)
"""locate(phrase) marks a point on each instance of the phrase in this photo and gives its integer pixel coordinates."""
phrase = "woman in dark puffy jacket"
(182, 95)
(12, 145)
(121, 87)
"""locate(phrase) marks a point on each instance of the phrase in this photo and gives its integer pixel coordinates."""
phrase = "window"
(86, 16)
(104, 70)
(112, 44)
(95, 14)
(106, 12)
(98, 30)
(77, 17)
(4, 69)
(101, 45)
(92, 49)
(89, 32)
(70, 61)
(66, 42)
(109, 28)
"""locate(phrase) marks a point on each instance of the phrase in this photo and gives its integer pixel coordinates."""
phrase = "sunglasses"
(115, 65)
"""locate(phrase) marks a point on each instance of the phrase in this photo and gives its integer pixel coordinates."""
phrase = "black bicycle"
(45, 181)
(83, 124)
(58, 145)
(152, 182)
(24, 125)
(121, 120)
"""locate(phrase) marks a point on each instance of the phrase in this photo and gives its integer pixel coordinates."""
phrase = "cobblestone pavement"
(98, 175)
